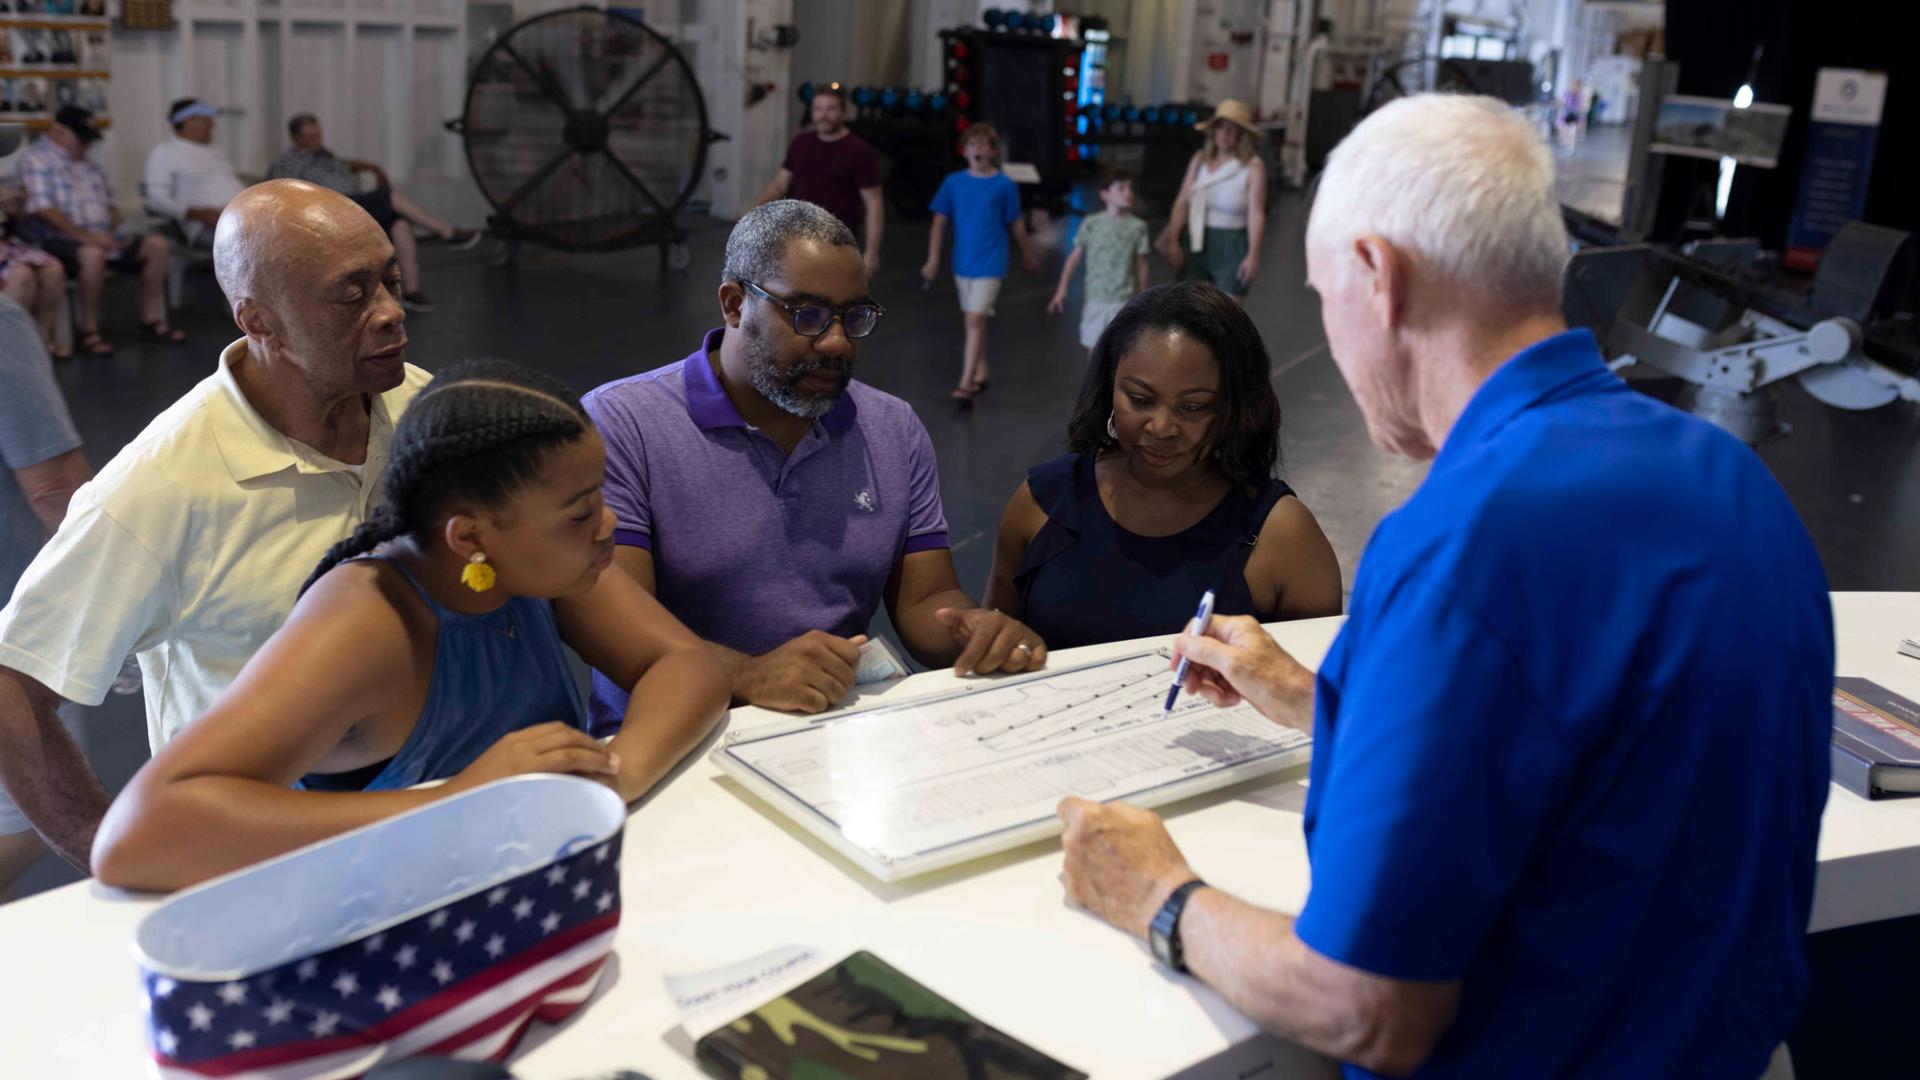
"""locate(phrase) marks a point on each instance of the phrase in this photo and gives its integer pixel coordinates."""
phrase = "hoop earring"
(1111, 433)
(477, 575)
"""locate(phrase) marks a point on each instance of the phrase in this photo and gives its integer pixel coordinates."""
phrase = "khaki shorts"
(977, 294)
(1094, 317)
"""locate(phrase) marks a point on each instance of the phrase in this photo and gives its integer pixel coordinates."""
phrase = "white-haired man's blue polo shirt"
(1571, 745)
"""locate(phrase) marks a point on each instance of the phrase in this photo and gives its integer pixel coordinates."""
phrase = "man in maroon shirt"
(832, 167)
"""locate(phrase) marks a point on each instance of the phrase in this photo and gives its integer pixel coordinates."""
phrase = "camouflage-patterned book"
(863, 1020)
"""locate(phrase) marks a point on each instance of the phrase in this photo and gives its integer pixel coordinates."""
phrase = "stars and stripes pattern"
(463, 980)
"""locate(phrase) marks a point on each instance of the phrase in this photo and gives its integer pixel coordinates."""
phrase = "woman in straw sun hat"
(1222, 203)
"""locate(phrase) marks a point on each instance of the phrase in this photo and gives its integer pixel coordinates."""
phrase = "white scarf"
(1197, 201)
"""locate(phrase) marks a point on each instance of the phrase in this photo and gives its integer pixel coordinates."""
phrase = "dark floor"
(594, 318)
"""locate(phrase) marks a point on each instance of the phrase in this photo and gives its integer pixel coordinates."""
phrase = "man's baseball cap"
(79, 121)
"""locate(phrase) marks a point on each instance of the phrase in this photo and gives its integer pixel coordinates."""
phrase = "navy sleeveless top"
(493, 674)
(1085, 580)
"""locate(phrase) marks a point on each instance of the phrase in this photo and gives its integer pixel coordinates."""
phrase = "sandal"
(55, 352)
(963, 396)
(160, 334)
(981, 386)
(94, 345)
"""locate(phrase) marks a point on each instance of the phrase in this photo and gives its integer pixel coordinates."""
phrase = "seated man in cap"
(309, 159)
(71, 216)
(189, 180)
(31, 277)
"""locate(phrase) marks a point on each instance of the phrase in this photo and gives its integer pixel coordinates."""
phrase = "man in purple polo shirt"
(771, 502)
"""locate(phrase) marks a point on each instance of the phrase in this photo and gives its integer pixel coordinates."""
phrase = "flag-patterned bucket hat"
(443, 931)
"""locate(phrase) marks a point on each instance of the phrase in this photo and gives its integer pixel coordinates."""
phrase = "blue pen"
(1200, 620)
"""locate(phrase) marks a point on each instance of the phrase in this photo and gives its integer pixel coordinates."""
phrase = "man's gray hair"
(759, 239)
(1461, 185)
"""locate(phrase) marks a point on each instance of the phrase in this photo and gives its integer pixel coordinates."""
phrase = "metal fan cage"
(586, 131)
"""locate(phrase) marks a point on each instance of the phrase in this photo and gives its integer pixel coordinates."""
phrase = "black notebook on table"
(1876, 740)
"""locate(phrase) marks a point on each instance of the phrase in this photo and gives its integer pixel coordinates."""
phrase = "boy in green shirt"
(1115, 246)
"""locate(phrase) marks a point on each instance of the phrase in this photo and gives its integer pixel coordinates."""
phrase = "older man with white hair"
(1570, 749)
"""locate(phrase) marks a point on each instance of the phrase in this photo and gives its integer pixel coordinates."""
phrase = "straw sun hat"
(1233, 112)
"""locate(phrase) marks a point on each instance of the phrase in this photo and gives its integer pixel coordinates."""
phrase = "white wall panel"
(143, 81)
(378, 97)
(438, 85)
(270, 119)
(315, 76)
(383, 76)
(216, 75)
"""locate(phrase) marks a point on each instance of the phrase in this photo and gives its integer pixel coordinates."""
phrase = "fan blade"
(542, 79)
(621, 101)
(526, 189)
(658, 206)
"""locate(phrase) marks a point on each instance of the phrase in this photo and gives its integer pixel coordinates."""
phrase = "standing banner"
(1833, 183)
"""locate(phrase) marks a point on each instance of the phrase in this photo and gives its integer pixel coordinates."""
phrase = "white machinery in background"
(1305, 68)
(1714, 315)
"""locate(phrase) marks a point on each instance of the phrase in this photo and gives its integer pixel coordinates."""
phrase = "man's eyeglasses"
(812, 320)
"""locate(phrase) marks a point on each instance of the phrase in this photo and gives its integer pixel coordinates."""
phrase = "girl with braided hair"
(428, 646)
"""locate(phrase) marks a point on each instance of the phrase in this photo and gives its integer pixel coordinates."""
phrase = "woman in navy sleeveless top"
(1169, 488)
(428, 646)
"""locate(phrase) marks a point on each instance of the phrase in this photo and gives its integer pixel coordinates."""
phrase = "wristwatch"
(1164, 932)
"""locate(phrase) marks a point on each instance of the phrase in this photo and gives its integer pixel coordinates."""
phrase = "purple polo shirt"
(753, 547)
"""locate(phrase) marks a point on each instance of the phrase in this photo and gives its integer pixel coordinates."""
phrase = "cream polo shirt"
(188, 550)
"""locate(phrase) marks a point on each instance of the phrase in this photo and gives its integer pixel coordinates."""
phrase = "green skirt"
(1218, 260)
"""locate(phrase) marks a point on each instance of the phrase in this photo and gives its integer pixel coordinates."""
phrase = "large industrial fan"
(586, 131)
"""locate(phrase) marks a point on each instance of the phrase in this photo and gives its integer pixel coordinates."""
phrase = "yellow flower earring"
(477, 575)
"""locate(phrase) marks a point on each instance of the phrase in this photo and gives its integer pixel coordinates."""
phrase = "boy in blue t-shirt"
(983, 204)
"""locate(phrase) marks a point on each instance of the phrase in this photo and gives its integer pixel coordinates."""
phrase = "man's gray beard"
(780, 389)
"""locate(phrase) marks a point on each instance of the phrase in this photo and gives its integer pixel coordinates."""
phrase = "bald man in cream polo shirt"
(189, 548)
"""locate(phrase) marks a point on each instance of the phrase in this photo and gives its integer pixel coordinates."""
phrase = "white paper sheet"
(707, 999)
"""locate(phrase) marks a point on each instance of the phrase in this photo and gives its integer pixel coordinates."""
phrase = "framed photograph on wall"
(53, 53)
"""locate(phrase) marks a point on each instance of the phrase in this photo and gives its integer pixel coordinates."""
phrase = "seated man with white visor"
(188, 179)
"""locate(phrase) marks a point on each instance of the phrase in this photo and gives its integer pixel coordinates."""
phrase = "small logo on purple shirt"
(864, 500)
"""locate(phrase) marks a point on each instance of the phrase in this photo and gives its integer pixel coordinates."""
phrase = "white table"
(710, 876)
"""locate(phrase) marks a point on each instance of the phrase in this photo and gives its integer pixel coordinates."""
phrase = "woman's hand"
(991, 641)
(543, 748)
(1169, 247)
(1249, 268)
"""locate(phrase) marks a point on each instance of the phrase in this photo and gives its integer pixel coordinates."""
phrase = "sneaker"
(416, 301)
(463, 239)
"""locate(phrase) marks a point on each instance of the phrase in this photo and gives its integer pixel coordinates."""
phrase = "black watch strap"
(1164, 933)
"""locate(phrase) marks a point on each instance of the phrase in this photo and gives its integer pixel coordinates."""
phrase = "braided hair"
(480, 431)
